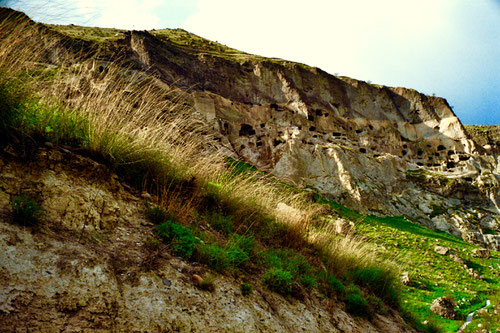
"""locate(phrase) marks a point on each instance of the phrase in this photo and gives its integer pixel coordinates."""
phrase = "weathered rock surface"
(88, 267)
(405, 279)
(441, 250)
(481, 253)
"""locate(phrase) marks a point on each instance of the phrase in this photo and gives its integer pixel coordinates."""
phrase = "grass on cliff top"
(181, 38)
(147, 135)
(434, 275)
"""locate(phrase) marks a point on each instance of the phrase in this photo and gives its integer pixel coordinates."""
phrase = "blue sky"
(447, 47)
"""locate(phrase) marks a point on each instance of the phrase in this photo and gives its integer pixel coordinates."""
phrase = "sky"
(450, 48)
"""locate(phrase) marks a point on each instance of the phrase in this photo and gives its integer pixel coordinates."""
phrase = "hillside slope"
(92, 266)
(376, 149)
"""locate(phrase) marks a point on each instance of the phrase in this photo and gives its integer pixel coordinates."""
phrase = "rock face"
(88, 266)
(441, 250)
(375, 149)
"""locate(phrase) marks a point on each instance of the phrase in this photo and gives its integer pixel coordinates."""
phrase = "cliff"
(114, 138)
(354, 142)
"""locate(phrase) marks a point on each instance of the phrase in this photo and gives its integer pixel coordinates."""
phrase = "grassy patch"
(411, 246)
(355, 303)
(181, 240)
(278, 280)
(26, 211)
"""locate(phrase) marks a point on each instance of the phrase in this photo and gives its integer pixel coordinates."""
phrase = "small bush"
(221, 223)
(246, 289)
(356, 305)
(294, 263)
(278, 280)
(181, 239)
(208, 283)
(26, 211)
(334, 286)
(219, 258)
(158, 215)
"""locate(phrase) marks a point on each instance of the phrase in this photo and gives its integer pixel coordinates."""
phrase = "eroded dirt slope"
(88, 267)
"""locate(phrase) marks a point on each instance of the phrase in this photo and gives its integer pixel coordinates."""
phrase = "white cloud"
(123, 14)
(448, 47)
(336, 35)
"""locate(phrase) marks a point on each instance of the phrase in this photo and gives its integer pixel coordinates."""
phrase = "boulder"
(441, 250)
(481, 253)
(444, 307)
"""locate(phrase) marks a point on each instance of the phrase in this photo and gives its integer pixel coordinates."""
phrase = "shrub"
(356, 305)
(246, 289)
(278, 280)
(181, 239)
(26, 211)
(221, 223)
(334, 286)
(294, 263)
(221, 258)
(208, 283)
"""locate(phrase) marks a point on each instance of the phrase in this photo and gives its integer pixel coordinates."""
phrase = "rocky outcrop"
(89, 267)
(486, 136)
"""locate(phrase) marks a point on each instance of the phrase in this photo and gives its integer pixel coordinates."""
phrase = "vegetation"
(246, 289)
(279, 280)
(356, 304)
(433, 275)
(26, 211)
(181, 239)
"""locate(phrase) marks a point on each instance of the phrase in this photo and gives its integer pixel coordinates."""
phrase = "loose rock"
(481, 253)
(441, 250)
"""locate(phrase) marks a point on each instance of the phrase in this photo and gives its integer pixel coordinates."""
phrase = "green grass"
(356, 304)
(279, 280)
(411, 246)
(181, 240)
(26, 211)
